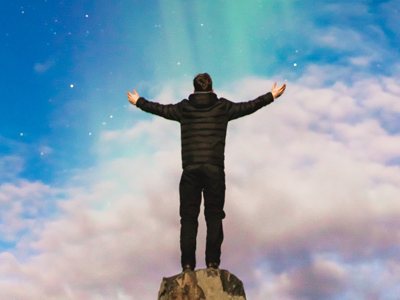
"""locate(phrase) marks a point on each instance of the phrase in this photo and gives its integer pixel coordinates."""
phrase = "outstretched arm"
(168, 111)
(237, 110)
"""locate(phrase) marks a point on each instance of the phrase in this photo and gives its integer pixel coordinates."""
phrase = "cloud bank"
(311, 203)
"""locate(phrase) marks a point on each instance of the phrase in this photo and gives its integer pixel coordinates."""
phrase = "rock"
(209, 284)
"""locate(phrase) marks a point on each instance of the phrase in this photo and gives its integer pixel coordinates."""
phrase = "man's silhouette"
(204, 118)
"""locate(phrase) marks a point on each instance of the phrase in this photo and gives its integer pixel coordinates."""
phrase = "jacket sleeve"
(240, 109)
(168, 111)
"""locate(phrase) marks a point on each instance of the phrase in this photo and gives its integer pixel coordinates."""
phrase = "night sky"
(89, 183)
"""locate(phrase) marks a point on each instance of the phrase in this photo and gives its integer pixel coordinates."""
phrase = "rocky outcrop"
(209, 284)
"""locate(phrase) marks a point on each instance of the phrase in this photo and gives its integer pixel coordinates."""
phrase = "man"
(204, 118)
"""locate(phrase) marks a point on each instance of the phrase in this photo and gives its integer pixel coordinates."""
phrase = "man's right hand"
(277, 92)
(133, 97)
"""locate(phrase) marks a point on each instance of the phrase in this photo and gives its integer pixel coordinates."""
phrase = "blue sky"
(101, 49)
(73, 151)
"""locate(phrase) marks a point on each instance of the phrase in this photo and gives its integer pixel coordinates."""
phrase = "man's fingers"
(131, 97)
(277, 92)
(274, 87)
(133, 94)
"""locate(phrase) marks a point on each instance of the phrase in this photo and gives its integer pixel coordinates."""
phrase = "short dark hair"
(202, 83)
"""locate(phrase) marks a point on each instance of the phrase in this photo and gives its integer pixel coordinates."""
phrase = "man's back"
(204, 119)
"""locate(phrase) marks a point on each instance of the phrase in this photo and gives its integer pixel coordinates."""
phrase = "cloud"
(311, 200)
(13, 160)
(353, 34)
(22, 205)
(321, 279)
(43, 67)
(10, 166)
(390, 9)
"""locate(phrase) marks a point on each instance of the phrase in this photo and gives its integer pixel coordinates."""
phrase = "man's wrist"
(272, 95)
(137, 101)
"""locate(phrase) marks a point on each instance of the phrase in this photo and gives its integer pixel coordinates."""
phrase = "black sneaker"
(212, 265)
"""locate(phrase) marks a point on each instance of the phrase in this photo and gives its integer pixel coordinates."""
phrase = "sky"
(89, 183)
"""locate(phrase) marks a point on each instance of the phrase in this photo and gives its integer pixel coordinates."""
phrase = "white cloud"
(306, 175)
(320, 279)
(21, 203)
(361, 61)
(10, 167)
(43, 67)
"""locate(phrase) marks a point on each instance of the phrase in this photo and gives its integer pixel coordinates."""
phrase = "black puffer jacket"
(204, 119)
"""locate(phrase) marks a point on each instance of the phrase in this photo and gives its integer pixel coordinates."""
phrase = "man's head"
(202, 83)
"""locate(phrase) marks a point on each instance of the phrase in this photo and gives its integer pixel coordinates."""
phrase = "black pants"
(210, 180)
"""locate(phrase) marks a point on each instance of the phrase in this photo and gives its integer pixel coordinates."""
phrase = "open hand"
(276, 92)
(133, 97)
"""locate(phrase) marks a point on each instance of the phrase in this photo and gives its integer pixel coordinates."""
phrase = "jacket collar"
(203, 99)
